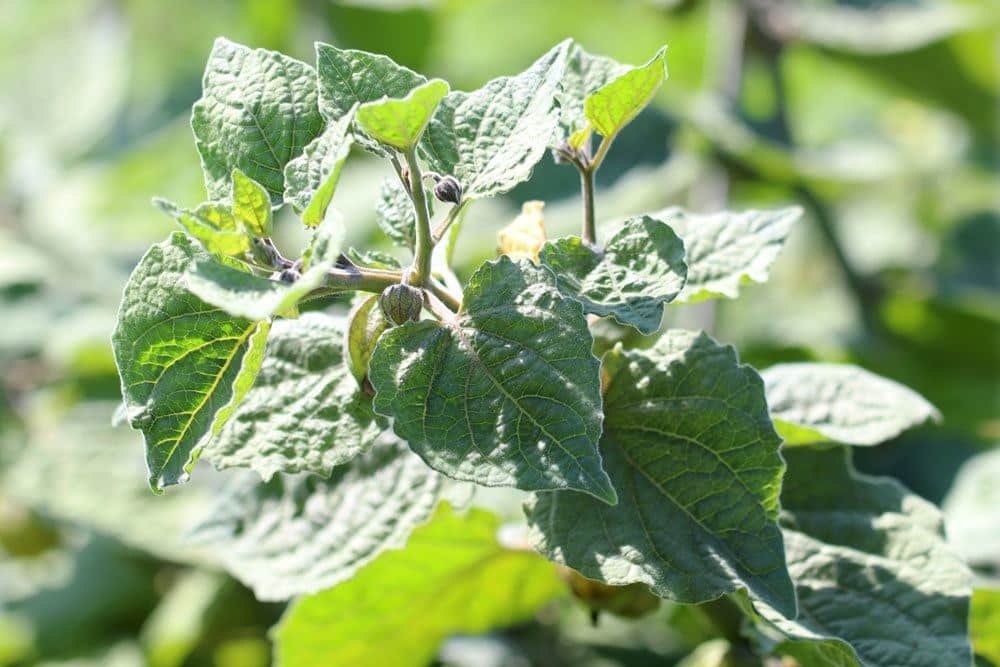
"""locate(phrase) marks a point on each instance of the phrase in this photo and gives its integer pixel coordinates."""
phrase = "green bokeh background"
(879, 117)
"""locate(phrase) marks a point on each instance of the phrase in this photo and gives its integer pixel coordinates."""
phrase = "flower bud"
(401, 303)
(448, 189)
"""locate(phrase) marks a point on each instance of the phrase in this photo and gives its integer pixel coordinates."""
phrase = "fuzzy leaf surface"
(690, 448)
(257, 112)
(639, 270)
(311, 178)
(452, 577)
(213, 225)
(615, 104)
(813, 402)
(400, 122)
(184, 364)
(252, 205)
(301, 534)
(585, 74)
(506, 395)
(304, 412)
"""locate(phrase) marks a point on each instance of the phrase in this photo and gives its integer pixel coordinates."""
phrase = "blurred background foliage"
(880, 117)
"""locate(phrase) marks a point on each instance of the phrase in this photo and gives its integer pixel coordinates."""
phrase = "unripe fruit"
(448, 189)
(401, 303)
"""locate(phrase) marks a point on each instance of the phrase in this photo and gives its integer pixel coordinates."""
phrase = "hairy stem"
(359, 278)
(442, 293)
(589, 234)
(442, 228)
(421, 270)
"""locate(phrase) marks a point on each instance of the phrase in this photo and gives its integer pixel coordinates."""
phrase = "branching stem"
(421, 270)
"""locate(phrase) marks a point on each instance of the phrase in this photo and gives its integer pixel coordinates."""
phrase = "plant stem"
(452, 216)
(435, 306)
(602, 150)
(441, 292)
(360, 278)
(589, 234)
(421, 270)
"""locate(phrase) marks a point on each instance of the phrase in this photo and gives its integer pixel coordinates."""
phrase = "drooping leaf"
(247, 295)
(311, 178)
(252, 205)
(212, 224)
(452, 577)
(257, 112)
(400, 122)
(507, 394)
(725, 250)
(348, 77)
(613, 106)
(525, 236)
(301, 534)
(875, 580)
(365, 323)
(491, 138)
(690, 448)
(972, 509)
(395, 215)
(585, 74)
(639, 270)
(184, 364)
(813, 402)
(304, 413)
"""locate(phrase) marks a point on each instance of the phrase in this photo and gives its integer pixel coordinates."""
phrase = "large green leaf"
(491, 138)
(640, 269)
(452, 577)
(813, 402)
(615, 104)
(507, 394)
(257, 112)
(302, 534)
(214, 225)
(184, 364)
(875, 580)
(972, 509)
(348, 77)
(304, 412)
(725, 250)
(247, 295)
(585, 74)
(311, 178)
(400, 122)
(690, 448)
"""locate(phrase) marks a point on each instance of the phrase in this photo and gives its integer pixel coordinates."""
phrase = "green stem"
(421, 270)
(452, 216)
(589, 234)
(442, 293)
(602, 150)
(359, 278)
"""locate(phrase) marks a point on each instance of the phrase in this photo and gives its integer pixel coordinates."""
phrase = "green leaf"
(613, 106)
(252, 205)
(452, 577)
(639, 270)
(184, 364)
(585, 74)
(348, 77)
(302, 534)
(725, 250)
(984, 623)
(507, 394)
(813, 402)
(491, 138)
(257, 112)
(400, 122)
(972, 509)
(304, 413)
(247, 295)
(875, 580)
(213, 225)
(311, 178)
(395, 215)
(690, 448)
(365, 324)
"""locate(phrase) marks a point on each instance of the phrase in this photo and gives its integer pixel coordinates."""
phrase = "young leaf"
(690, 448)
(184, 365)
(302, 534)
(246, 295)
(257, 112)
(304, 413)
(725, 250)
(640, 269)
(613, 106)
(365, 324)
(311, 178)
(400, 122)
(252, 205)
(525, 236)
(821, 402)
(585, 75)
(394, 213)
(348, 77)
(491, 138)
(452, 577)
(876, 582)
(507, 394)
(212, 224)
